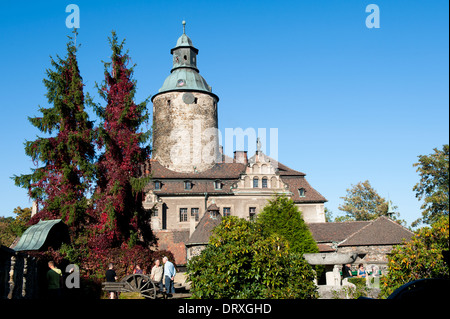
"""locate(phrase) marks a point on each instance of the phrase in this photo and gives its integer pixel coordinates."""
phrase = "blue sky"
(350, 103)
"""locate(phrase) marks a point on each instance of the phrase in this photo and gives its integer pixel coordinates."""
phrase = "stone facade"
(185, 134)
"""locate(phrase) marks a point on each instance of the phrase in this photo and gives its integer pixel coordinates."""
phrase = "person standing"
(169, 276)
(157, 274)
(111, 277)
(54, 277)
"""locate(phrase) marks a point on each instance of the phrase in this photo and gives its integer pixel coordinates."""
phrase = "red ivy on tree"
(112, 226)
(118, 197)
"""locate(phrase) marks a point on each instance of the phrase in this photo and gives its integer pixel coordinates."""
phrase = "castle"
(190, 174)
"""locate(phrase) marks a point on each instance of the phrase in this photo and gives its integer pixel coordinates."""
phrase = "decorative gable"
(261, 176)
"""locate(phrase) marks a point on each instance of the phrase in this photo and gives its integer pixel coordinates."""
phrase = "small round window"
(181, 82)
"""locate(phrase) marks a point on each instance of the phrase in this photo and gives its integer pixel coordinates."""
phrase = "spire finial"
(184, 27)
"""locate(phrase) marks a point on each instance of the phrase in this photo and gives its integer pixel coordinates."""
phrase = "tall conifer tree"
(64, 160)
(118, 197)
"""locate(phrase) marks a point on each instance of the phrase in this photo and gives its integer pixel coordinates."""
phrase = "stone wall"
(369, 254)
(185, 134)
(193, 251)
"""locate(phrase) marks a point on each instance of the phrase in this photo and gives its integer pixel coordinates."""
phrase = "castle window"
(183, 214)
(157, 185)
(252, 213)
(301, 192)
(226, 211)
(255, 182)
(168, 102)
(194, 212)
(187, 185)
(155, 212)
(264, 182)
(217, 185)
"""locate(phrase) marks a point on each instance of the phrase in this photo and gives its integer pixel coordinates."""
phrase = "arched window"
(264, 182)
(255, 182)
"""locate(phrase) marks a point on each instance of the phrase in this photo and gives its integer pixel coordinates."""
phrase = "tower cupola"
(184, 53)
(184, 75)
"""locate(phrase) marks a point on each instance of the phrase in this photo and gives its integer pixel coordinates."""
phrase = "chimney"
(240, 157)
(34, 208)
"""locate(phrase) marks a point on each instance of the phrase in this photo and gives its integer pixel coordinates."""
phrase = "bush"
(239, 262)
(357, 281)
(419, 258)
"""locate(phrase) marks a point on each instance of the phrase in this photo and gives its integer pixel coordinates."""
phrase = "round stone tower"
(185, 126)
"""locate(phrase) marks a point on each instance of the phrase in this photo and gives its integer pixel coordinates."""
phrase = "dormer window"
(187, 185)
(157, 185)
(217, 185)
(301, 192)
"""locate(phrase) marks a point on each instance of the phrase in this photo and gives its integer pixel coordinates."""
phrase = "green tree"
(282, 217)
(240, 262)
(20, 223)
(328, 215)
(6, 234)
(419, 258)
(11, 227)
(433, 186)
(63, 179)
(362, 202)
